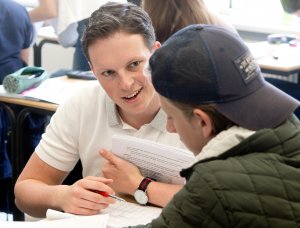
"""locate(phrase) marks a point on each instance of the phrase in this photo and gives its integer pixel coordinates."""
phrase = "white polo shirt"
(84, 124)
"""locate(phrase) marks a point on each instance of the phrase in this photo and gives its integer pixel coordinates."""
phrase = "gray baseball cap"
(208, 64)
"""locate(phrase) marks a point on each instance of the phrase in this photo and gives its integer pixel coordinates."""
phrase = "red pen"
(105, 194)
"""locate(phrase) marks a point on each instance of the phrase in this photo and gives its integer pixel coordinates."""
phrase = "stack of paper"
(155, 160)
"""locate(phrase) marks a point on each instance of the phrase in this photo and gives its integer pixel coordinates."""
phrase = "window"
(266, 16)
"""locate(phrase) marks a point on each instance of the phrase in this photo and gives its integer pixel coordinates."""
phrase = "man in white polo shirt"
(118, 42)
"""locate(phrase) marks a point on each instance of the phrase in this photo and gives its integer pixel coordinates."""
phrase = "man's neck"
(139, 119)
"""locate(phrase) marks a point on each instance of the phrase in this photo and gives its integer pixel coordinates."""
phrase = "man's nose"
(126, 80)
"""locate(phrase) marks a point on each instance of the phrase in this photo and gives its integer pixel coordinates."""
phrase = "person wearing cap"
(69, 19)
(241, 129)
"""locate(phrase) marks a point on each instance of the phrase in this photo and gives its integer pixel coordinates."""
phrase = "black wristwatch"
(140, 194)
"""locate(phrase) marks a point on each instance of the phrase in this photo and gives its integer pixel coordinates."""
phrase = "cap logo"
(247, 66)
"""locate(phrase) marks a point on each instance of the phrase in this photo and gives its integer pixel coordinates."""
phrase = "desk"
(17, 122)
(276, 59)
(17, 119)
(16, 136)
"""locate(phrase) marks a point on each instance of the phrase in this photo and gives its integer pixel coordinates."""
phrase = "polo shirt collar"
(159, 121)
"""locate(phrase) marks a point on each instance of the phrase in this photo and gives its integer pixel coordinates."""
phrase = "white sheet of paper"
(120, 214)
(11, 224)
(54, 90)
(155, 160)
(99, 221)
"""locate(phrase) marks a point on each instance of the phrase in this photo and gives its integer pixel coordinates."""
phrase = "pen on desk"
(105, 194)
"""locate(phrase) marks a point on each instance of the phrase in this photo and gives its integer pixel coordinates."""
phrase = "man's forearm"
(34, 197)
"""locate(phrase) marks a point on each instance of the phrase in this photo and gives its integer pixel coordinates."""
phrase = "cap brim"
(267, 107)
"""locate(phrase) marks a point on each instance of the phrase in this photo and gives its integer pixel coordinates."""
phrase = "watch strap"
(144, 184)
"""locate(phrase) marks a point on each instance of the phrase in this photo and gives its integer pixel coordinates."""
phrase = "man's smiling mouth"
(133, 95)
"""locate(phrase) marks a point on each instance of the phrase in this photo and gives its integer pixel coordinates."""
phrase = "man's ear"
(156, 45)
(204, 122)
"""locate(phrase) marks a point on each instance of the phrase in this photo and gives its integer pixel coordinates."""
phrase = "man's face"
(118, 62)
(188, 129)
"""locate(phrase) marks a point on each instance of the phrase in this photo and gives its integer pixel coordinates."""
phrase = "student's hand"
(126, 176)
(82, 198)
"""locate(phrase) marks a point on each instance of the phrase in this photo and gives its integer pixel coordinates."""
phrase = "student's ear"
(156, 45)
(204, 122)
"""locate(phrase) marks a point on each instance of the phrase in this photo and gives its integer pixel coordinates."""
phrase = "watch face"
(141, 197)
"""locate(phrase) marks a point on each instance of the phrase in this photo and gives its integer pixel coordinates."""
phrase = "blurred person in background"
(16, 36)
(69, 19)
(169, 16)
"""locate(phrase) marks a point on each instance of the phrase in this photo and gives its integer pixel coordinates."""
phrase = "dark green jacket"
(254, 184)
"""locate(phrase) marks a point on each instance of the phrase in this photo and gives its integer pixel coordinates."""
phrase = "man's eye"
(107, 73)
(135, 64)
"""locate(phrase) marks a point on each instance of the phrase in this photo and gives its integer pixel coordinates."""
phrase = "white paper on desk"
(11, 224)
(56, 215)
(130, 214)
(52, 90)
(99, 221)
(56, 91)
(155, 160)
(120, 214)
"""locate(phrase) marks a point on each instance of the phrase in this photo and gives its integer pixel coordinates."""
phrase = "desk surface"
(30, 103)
(47, 32)
(281, 58)
(54, 90)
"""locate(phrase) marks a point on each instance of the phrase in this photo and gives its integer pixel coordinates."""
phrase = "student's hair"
(290, 6)
(169, 16)
(219, 121)
(118, 17)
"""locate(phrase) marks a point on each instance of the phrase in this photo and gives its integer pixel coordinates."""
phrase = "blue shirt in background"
(16, 33)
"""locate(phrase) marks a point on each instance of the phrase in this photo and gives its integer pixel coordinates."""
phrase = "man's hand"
(126, 176)
(82, 198)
